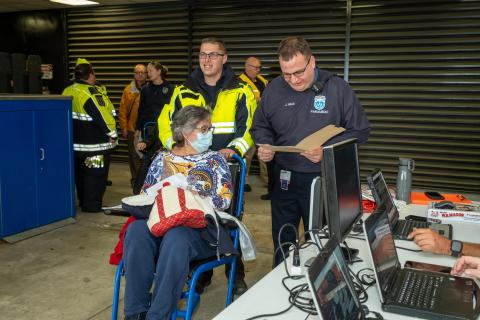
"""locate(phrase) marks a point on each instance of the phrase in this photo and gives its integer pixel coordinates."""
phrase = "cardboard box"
(313, 141)
(461, 213)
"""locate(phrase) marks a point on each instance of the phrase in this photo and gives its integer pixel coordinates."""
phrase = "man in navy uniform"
(297, 103)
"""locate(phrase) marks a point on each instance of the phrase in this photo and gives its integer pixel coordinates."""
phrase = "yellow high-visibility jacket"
(232, 110)
(243, 77)
(94, 126)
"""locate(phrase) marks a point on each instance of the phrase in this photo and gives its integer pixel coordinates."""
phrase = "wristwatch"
(456, 247)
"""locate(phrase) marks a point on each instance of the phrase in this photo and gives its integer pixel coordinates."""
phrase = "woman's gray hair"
(185, 121)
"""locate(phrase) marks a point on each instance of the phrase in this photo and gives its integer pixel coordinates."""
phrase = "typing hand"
(314, 155)
(468, 265)
(430, 241)
(265, 154)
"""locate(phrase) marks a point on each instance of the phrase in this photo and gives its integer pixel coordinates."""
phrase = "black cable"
(413, 250)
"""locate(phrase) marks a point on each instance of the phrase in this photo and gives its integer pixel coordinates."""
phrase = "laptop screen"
(382, 249)
(382, 196)
(332, 289)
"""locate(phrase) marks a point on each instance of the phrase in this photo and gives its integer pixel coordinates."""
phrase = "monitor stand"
(349, 254)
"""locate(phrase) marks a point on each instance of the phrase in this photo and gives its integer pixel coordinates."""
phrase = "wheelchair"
(192, 298)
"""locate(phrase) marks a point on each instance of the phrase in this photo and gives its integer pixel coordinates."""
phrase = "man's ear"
(313, 63)
(225, 58)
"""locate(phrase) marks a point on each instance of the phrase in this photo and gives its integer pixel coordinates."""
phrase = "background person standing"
(128, 114)
(252, 77)
(94, 136)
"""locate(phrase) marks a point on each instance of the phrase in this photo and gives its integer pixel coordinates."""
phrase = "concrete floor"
(64, 273)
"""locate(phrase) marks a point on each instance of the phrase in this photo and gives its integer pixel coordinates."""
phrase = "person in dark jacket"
(153, 97)
(297, 103)
(215, 86)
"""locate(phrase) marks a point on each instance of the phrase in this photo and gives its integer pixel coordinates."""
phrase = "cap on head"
(82, 61)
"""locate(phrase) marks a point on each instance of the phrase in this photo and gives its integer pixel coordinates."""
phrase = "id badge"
(285, 179)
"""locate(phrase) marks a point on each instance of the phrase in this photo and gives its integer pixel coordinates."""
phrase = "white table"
(269, 296)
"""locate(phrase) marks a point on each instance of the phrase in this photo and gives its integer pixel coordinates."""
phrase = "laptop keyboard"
(406, 226)
(419, 289)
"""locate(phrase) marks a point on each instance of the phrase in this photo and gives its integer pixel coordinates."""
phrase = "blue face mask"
(203, 141)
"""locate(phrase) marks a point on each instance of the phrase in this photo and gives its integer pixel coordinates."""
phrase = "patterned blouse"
(207, 173)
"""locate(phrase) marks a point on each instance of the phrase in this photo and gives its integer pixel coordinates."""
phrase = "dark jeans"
(163, 261)
(289, 206)
(91, 184)
(134, 160)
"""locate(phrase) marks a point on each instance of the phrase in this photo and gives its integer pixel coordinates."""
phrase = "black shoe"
(109, 183)
(202, 282)
(138, 316)
(266, 196)
(247, 188)
(240, 287)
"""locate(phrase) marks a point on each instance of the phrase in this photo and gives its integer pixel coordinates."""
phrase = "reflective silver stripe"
(114, 113)
(112, 134)
(94, 147)
(241, 144)
(169, 143)
(81, 116)
(224, 124)
(223, 130)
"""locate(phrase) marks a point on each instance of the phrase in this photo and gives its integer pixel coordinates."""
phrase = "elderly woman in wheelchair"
(164, 261)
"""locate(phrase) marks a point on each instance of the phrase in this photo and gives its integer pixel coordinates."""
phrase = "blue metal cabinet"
(36, 162)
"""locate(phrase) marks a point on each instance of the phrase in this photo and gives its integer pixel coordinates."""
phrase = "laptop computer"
(414, 292)
(331, 287)
(400, 228)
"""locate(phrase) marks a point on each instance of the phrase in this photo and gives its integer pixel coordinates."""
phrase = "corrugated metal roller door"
(114, 39)
(256, 28)
(416, 68)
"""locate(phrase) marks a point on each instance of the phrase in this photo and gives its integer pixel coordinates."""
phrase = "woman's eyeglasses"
(205, 129)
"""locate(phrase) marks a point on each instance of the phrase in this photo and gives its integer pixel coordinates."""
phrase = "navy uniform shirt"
(286, 116)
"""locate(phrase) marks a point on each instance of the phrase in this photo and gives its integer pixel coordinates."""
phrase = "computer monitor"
(316, 222)
(342, 191)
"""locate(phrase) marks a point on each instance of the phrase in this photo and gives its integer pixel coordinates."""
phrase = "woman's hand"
(141, 146)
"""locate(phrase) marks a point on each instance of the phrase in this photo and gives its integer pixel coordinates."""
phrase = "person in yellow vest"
(252, 77)
(215, 86)
(127, 117)
(94, 135)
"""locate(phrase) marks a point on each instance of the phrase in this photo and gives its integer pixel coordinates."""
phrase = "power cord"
(408, 249)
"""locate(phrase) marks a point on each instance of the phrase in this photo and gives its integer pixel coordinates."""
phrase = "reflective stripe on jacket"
(243, 77)
(232, 113)
(93, 119)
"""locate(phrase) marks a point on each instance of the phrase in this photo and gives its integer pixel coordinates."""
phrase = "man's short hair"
(291, 46)
(216, 41)
(82, 71)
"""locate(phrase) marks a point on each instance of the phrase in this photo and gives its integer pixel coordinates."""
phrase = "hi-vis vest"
(247, 80)
(89, 136)
(228, 103)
